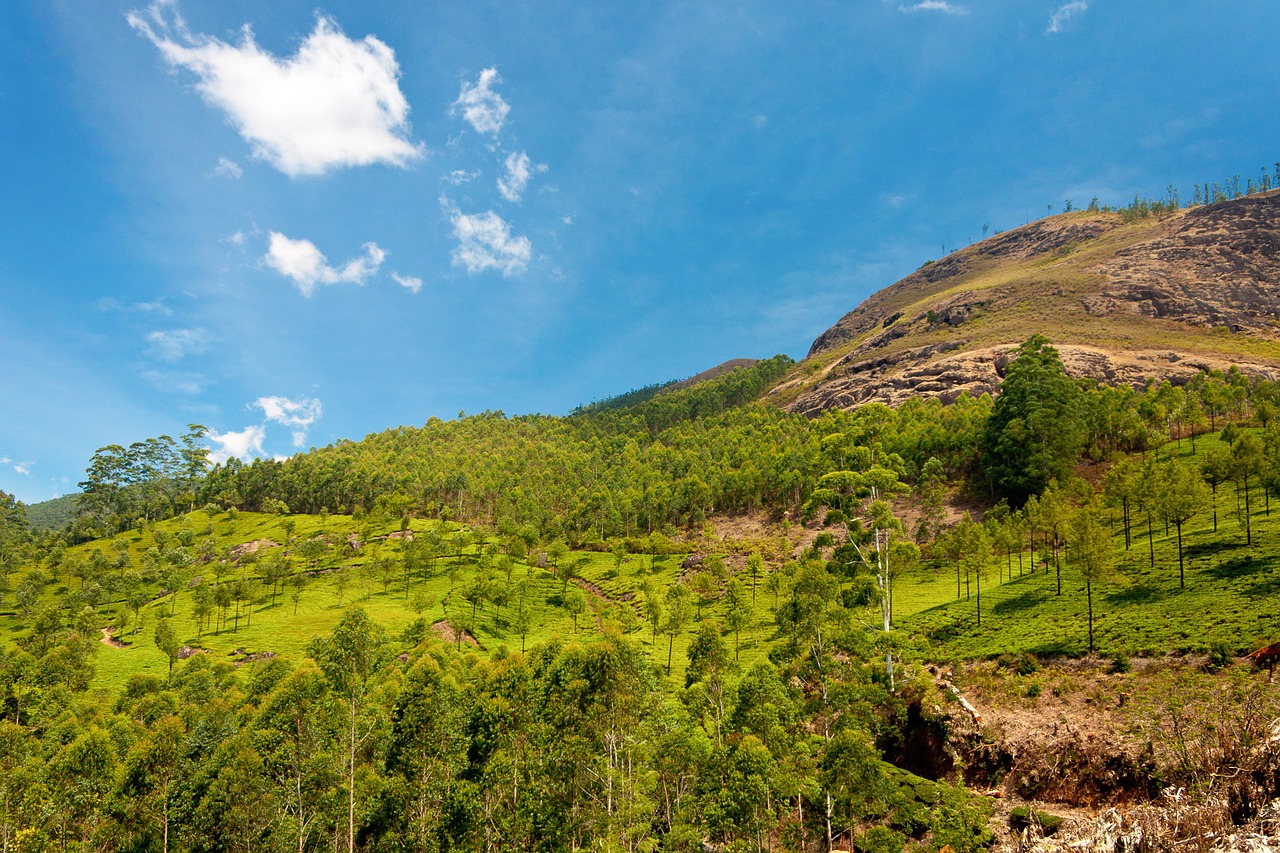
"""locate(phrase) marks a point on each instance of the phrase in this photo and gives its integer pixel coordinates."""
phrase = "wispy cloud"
(228, 168)
(174, 344)
(172, 382)
(336, 102)
(1065, 13)
(411, 283)
(110, 303)
(942, 6)
(301, 413)
(485, 242)
(517, 171)
(23, 468)
(459, 177)
(482, 107)
(307, 266)
(246, 442)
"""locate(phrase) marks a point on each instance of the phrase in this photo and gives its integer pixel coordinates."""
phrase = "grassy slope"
(1231, 595)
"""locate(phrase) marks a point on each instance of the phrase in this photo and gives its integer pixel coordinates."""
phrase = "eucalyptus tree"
(1092, 552)
(349, 657)
(1183, 495)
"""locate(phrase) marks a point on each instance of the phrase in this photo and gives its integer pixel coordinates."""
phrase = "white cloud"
(461, 176)
(412, 283)
(567, 220)
(1065, 13)
(179, 383)
(237, 239)
(23, 468)
(298, 413)
(482, 107)
(238, 444)
(934, 6)
(301, 261)
(518, 172)
(485, 242)
(110, 303)
(175, 344)
(336, 102)
(302, 412)
(229, 168)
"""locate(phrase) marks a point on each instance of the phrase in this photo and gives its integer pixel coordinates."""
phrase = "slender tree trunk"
(351, 781)
(1088, 592)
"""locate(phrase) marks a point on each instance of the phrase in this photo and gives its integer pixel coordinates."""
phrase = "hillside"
(1123, 298)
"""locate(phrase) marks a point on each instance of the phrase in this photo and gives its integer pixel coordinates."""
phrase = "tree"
(973, 548)
(167, 642)
(575, 602)
(349, 657)
(1093, 554)
(1182, 495)
(678, 612)
(1246, 458)
(1036, 431)
(739, 613)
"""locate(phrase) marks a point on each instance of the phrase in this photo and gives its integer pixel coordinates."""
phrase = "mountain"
(1123, 296)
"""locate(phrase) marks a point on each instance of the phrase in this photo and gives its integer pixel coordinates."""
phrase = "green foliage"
(1036, 432)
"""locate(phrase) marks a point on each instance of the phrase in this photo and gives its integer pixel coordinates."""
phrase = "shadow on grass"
(1240, 567)
(1263, 588)
(1139, 593)
(1023, 601)
(1210, 549)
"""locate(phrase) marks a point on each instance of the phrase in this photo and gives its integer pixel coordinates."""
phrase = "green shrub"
(1022, 817)
(1120, 663)
(1220, 655)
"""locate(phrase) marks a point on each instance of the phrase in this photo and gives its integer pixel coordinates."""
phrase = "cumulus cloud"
(307, 266)
(411, 283)
(482, 107)
(336, 102)
(933, 6)
(242, 444)
(1065, 13)
(175, 344)
(228, 168)
(485, 242)
(519, 170)
(300, 413)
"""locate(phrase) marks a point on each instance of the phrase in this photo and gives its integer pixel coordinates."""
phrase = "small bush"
(1119, 663)
(1220, 655)
(1022, 817)
(1033, 690)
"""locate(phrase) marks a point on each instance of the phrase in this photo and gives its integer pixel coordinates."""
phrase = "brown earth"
(1162, 298)
(1168, 755)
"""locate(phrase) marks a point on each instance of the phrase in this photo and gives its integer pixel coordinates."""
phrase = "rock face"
(1124, 302)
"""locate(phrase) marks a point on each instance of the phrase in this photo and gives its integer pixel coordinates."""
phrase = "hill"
(1124, 298)
(52, 514)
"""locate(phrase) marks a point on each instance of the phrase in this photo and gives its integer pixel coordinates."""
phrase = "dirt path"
(109, 640)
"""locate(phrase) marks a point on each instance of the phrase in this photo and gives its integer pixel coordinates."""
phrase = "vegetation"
(324, 653)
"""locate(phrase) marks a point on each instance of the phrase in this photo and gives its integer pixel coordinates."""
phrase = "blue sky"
(296, 223)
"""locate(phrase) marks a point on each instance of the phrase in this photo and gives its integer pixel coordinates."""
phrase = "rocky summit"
(1125, 299)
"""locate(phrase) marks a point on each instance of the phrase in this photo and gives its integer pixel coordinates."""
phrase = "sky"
(296, 223)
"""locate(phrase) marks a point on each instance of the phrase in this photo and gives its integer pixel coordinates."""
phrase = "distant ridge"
(712, 373)
(642, 395)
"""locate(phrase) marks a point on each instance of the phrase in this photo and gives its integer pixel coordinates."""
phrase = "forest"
(612, 671)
